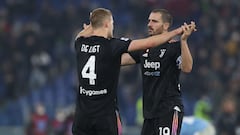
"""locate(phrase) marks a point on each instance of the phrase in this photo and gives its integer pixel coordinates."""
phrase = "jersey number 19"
(88, 70)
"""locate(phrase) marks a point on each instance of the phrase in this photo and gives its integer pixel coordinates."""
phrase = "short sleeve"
(136, 55)
(78, 42)
(176, 49)
(120, 46)
(176, 52)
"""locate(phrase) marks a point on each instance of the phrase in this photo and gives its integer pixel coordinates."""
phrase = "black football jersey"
(98, 64)
(160, 73)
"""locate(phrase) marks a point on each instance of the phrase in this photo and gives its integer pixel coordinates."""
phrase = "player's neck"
(101, 32)
(164, 31)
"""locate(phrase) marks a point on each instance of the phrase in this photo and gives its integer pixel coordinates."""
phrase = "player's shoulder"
(93, 39)
(79, 38)
(120, 39)
(174, 44)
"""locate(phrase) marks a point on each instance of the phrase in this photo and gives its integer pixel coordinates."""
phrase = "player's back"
(98, 61)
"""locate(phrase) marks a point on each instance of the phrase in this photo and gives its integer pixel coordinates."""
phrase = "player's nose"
(149, 24)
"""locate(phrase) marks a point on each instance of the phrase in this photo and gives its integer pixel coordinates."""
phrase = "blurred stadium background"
(38, 72)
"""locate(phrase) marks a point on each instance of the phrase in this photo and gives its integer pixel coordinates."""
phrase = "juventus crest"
(162, 52)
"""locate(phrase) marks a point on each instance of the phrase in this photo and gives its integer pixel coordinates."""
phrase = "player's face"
(155, 24)
(110, 30)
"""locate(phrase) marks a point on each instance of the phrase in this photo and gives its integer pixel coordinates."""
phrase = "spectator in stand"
(39, 122)
(227, 119)
(58, 124)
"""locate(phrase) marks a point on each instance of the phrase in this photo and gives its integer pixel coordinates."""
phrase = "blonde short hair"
(98, 16)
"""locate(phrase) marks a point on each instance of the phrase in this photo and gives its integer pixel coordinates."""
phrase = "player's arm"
(187, 61)
(127, 59)
(87, 31)
(153, 41)
(146, 43)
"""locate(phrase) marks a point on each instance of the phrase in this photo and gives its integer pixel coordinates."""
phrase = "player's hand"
(181, 29)
(86, 32)
(87, 26)
(187, 30)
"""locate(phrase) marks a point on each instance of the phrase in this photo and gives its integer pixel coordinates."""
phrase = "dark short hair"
(166, 16)
(98, 16)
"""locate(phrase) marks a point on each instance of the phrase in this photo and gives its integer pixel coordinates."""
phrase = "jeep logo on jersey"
(154, 65)
(162, 52)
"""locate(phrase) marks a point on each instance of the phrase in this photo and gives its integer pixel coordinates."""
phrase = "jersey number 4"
(88, 70)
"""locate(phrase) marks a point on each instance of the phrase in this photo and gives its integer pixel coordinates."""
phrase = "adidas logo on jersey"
(146, 53)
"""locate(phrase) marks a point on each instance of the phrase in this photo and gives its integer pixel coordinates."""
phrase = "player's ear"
(106, 24)
(166, 26)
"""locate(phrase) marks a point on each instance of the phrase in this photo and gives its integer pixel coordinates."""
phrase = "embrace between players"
(99, 57)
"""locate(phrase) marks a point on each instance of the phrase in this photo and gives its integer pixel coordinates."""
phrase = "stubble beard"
(152, 32)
